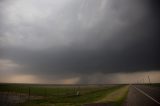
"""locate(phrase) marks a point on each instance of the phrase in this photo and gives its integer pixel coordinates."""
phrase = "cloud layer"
(73, 38)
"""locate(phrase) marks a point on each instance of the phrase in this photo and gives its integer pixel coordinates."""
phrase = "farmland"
(61, 95)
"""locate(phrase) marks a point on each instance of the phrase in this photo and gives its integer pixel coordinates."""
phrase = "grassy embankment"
(116, 97)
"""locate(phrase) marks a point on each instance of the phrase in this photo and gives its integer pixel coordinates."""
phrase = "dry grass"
(117, 95)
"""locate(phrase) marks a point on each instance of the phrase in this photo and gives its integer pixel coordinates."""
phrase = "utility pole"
(143, 80)
(149, 79)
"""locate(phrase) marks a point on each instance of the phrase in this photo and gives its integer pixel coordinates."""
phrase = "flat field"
(61, 95)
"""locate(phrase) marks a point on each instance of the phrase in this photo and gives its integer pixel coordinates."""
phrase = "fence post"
(149, 80)
(45, 92)
(29, 93)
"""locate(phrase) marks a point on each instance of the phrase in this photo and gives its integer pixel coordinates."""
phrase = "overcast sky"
(79, 41)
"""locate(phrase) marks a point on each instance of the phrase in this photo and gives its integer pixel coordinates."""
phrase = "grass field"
(155, 84)
(151, 84)
(66, 95)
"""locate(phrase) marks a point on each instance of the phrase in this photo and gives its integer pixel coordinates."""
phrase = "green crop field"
(65, 95)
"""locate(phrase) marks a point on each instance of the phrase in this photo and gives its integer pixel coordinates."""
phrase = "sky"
(79, 41)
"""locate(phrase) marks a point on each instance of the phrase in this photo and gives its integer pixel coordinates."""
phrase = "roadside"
(115, 98)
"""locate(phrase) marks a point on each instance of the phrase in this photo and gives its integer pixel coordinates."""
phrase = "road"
(143, 95)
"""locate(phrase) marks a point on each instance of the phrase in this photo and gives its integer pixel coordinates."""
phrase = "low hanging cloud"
(67, 39)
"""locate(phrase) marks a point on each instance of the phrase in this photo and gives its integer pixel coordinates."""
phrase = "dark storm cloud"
(155, 5)
(82, 36)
